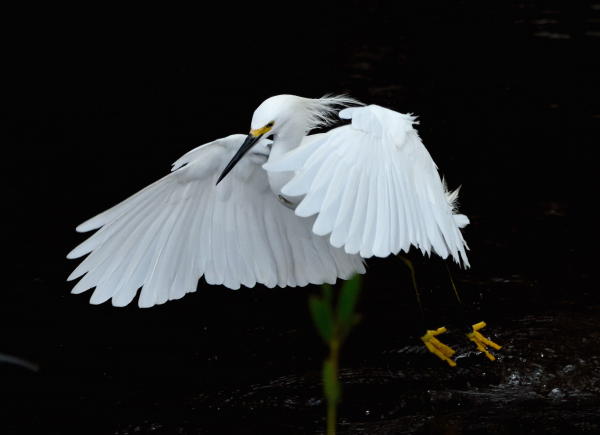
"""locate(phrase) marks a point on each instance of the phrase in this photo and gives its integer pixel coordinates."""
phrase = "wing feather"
(368, 231)
(353, 242)
(343, 218)
(395, 198)
(331, 203)
(381, 244)
(183, 227)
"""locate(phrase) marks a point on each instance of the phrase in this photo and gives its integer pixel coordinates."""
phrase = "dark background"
(96, 104)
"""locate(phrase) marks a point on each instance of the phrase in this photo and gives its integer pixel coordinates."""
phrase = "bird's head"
(269, 119)
(290, 117)
(275, 114)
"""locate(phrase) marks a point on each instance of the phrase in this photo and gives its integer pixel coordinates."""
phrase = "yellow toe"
(438, 348)
(482, 342)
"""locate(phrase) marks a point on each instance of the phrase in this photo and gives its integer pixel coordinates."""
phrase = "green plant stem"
(334, 355)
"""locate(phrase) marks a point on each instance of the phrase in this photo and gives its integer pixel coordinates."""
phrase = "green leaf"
(331, 384)
(322, 317)
(347, 302)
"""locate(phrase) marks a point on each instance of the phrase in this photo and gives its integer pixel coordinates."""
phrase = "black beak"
(248, 143)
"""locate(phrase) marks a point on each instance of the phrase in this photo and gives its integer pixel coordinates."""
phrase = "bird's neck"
(286, 141)
(283, 142)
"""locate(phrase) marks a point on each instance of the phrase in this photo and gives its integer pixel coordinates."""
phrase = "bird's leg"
(413, 277)
(474, 335)
(453, 285)
(482, 342)
(432, 343)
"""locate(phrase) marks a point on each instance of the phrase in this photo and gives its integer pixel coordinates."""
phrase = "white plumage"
(310, 214)
(374, 186)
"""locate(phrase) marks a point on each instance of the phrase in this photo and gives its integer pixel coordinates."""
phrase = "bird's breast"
(279, 179)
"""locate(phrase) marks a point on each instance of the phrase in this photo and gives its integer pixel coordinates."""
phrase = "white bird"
(298, 209)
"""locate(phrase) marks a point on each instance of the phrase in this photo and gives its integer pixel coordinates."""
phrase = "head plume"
(322, 112)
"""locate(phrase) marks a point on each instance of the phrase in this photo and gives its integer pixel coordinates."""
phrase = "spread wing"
(168, 235)
(374, 188)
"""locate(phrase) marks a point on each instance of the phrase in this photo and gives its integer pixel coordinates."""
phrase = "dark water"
(508, 102)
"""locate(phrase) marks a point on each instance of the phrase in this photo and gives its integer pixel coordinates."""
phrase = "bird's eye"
(270, 124)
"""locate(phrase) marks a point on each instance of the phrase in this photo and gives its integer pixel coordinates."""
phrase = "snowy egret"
(279, 207)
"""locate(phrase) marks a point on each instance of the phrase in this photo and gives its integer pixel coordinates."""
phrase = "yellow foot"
(481, 342)
(438, 348)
